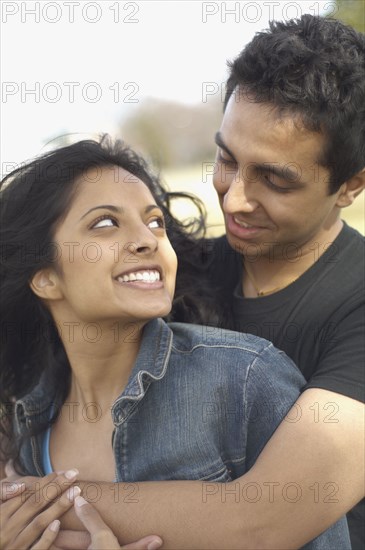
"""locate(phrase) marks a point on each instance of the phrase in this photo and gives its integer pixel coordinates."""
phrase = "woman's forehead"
(109, 181)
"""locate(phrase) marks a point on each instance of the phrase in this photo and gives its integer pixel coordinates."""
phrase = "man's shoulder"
(348, 242)
(340, 270)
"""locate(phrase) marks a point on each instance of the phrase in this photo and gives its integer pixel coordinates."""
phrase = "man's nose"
(239, 196)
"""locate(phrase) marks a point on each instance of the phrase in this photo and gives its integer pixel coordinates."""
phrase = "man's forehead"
(248, 119)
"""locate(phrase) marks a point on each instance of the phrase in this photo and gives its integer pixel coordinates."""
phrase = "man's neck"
(269, 274)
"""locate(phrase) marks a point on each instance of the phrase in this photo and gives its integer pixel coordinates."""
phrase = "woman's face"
(115, 260)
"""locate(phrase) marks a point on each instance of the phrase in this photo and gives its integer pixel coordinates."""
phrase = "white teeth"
(242, 224)
(145, 276)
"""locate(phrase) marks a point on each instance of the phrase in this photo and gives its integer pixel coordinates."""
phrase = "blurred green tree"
(351, 12)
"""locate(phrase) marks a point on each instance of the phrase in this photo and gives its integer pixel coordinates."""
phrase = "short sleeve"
(274, 383)
(341, 366)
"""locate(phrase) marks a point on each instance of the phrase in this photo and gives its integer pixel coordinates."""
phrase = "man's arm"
(308, 476)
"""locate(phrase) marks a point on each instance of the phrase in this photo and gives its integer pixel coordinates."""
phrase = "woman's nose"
(143, 244)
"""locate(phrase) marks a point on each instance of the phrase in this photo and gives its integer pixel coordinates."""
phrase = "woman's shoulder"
(188, 337)
(238, 356)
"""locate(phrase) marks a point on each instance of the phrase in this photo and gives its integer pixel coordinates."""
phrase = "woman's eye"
(105, 221)
(157, 223)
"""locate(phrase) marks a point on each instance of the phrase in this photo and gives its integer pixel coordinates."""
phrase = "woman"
(88, 273)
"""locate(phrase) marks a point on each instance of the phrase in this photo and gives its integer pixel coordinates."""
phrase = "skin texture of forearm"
(307, 476)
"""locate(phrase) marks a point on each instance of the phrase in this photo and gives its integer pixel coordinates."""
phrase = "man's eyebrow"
(219, 141)
(283, 172)
(118, 209)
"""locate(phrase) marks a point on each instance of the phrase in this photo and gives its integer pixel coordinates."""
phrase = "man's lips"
(241, 228)
(245, 224)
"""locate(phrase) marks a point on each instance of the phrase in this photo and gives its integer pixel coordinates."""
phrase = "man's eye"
(104, 221)
(273, 186)
(225, 160)
(157, 223)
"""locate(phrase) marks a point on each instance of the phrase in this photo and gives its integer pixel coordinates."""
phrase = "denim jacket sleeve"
(273, 385)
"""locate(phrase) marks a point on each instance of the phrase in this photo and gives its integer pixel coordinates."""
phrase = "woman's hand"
(20, 533)
(102, 537)
(29, 511)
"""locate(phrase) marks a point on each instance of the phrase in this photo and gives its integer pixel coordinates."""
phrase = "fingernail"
(55, 525)
(15, 486)
(154, 545)
(71, 474)
(80, 501)
(72, 493)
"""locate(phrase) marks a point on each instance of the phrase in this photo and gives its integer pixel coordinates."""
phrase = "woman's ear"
(351, 189)
(45, 284)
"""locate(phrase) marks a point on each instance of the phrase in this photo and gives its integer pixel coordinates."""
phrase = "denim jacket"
(200, 404)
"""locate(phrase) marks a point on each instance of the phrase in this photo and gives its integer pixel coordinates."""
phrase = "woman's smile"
(145, 278)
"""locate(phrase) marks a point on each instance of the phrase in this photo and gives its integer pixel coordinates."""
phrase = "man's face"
(273, 193)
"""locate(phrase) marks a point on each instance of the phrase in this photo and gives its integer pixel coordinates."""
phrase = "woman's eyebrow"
(117, 209)
(111, 207)
(152, 207)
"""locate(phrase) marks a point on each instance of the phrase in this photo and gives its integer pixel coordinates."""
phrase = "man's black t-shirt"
(318, 320)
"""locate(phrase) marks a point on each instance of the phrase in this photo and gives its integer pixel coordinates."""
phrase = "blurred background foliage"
(179, 140)
(351, 12)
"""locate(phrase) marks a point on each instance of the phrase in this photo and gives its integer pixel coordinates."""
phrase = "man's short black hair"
(315, 68)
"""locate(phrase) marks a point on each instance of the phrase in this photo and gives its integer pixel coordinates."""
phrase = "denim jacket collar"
(150, 365)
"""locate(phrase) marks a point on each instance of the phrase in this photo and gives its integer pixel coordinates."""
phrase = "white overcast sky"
(80, 66)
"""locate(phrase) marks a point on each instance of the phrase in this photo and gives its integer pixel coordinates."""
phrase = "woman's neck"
(101, 360)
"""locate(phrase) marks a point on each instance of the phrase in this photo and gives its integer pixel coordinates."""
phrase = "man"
(290, 156)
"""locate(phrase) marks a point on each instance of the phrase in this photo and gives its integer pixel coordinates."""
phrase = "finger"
(7, 528)
(41, 492)
(73, 540)
(151, 542)
(48, 537)
(10, 489)
(89, 516)
(32, 530)
(32, 483)
(101, 535)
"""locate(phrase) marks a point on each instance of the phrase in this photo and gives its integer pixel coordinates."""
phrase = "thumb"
(101, 535)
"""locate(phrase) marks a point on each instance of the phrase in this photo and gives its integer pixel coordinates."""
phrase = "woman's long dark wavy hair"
(34, 199)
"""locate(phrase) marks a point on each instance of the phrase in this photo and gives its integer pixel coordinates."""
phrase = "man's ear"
(351, 189)
(45, 284)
